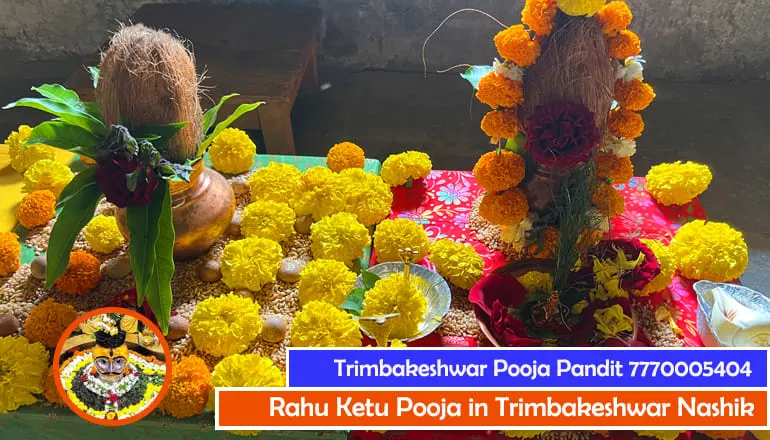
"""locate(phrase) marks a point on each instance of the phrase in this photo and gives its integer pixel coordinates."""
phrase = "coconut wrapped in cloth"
(148, 77)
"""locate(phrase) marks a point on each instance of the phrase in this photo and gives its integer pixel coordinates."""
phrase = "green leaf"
(210, 117)
(65, 112)
(65, 136)
(158, 293)
(369, 279)
(242, 109)
(94, 71)
(77, 212)
(516, 144)
(354, 303)
(142, 222)
(158, 134)
(82, 179)
(474, 74)
(59, 94)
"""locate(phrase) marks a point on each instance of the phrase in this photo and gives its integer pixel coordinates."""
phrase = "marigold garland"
(345, 155)
(667, 267)
(50, 392)
(549, 244)
(391, 236)
(711, 251)
(677, 183)
(507, 208)
(36, 209)
(232, 151)
(268, 219)
(398, 169)
(495, 90)
(320, 324)
(277, 181)
(397, 294)
(624, 45)
(499, 170)
(458, 262)
(47, 321)
(189, 388)
(608, 200)
(23, 156)
(103, 235)
(82, 274)
(633, 95)
(500, 124)
(515, 45)
(579, 8)
(614, 17)
(250, 263)
(625, 124)
(539, 16)
(47, 174)
(617, 170)
(10, 249)
(616, 146)
(339, 237)
(225, 325)
(23, 366)
(325, 280)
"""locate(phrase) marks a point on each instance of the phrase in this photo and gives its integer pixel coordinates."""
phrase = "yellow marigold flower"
(232, 151)
(315, 194)
(495, 90)
(364, 194)
(325, 280)
(633, 95)
(624, 45)
(550, 244)
(103, 235)
(539, 15)
(677, 183)
(50, 392)
(617, 170)
(10, 249)
(225, 325)
(667, 266)
(277, 181)
(399, 168)
(22, 366)
(500, 124)
(268, 219)
(47, 321)
(250, 263)
(625, 124)
(23, 156)
(536, 282)
(608, 200)
(507, 208)
(498, 171)
(613, 320)
(320, 324)
(339, 237)
(394, 235)
(36, 209)
(396, 343)
(189, 388)
(396, 294)
(515, 45)
(614, 17)
(82, 274)
(711, 251)
(577, 8)
(459, 263)
(345, 155)
(523, 434)
(662, 435)
(47, 174)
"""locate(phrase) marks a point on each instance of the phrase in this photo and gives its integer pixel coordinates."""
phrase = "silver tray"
(749, 298)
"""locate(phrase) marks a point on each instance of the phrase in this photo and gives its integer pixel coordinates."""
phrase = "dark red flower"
(128, 300)
(510, 330)
(111, 177)
(561, 134)
(639, 277)
(494, 295)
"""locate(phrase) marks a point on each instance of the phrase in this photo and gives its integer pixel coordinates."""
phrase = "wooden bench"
(264, 53)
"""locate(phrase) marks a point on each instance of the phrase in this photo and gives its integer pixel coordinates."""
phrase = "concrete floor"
(723, 125)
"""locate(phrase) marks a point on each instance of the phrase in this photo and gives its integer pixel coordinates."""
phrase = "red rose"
(494, 295)
(510, 330)
(111, 177)
(561, 134)
(637, 278)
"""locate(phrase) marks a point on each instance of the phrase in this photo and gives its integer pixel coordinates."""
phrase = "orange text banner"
(282, 408)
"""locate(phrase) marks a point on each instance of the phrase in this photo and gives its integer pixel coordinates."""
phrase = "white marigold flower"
(508, 70)
(631, 69)
(517, 234)
(618, 146)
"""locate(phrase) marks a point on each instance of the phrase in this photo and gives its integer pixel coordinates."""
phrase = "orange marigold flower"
(547, 248)
(617, 169)
(615, 16)
(498, 171)
(507, 208)
(36, 209)
(633, 95)
(495, 90)
(82, 274)
(50, 392)
(345, 155)
(515, 45)
(10, 250)
(47, 321)
(608, 200)
(500, 124)
(625, 124)
(539, 15)
(189, 389)
(625, 44)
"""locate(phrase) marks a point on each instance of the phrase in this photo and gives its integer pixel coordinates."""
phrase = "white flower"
(631, 69)
(618, 146)
(517, 234)
(508, 70)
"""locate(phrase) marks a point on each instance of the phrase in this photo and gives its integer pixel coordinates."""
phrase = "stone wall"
(682, 39)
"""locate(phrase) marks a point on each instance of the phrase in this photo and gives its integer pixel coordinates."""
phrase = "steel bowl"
(704, 291)
(432, 285)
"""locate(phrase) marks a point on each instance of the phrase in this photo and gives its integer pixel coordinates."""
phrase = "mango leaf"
(158, 291)
(65, 136)
(516, 144)
(93, 109)
(369, 279)
(74, 216)
(157, 134)
(354, 303)
(242, 109)
(85, 177)
(142, 222)
(65, 112)
(94, 72)
(474, 74)
(211, 114)
(59, 93)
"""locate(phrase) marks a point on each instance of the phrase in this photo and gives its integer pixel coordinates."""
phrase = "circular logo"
(112, 366)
